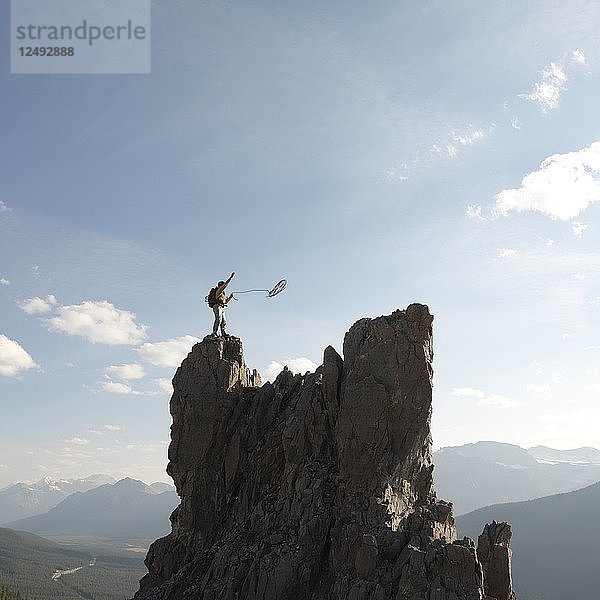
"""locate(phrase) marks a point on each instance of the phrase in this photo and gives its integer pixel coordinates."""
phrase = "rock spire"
(316, 486)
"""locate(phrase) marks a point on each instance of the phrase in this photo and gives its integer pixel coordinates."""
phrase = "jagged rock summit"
(317, 486)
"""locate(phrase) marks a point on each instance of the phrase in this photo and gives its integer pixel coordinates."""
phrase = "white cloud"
(468, 136)
(127, 372)
(546, 92)
(169, 353)
(451, 142)
(474, 212)
(13, 358)
(113, 427)
(468, 392)
(78, 441)
(496, 400)
(4, 281)
(563, 186)
(393, 174)
(578, 228)
(98, 322)
(116, 388)
(578, 58)
(295, 365)
(515, 123)
(458, 139)
(507, 253)
(484, 399)
(165, 385)
(4, 208)
(37, 305)
(538, 389)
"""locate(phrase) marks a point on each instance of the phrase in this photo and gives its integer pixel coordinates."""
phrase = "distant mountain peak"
(483, 473)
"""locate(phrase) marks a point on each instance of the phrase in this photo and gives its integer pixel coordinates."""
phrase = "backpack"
(212, 298)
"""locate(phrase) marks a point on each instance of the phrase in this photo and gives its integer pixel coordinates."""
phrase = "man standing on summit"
(218, 300)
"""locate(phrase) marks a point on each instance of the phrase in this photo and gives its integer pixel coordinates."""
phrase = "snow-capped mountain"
(484, 473)
(577, 456)
(128, 508)
(22, 500)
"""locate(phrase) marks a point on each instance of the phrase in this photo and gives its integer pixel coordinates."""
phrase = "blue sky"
(374, 155)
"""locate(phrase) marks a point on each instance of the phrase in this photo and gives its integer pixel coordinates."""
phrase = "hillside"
(556, 543)
(22, 500)
(6, 594)
(484, 473)
(42, 570)
(127, 509)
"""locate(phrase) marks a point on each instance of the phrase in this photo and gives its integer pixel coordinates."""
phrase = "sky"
(373, 154)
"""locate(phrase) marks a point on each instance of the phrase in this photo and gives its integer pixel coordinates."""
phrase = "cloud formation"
(295, 365)
(169, 353)
(164, 385)
(99, 323)
(553, 81)
(13, 358)
(546, 92)
(507, 253)
(37, 305)
(115, 387)
(4, 281)
(4, 208)
(474, 212)
(578, 58)
(78, 441)
(448, 145)
(127, 372)
(484, 399)
(468, 392)
(562, 187)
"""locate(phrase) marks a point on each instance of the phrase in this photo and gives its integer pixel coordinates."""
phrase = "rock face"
(317, 486)
(495, 556)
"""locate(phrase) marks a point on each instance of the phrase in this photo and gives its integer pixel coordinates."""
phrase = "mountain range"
(127, 509)
(495, 475)
(556, 543)
(484, 473)
(23, 500)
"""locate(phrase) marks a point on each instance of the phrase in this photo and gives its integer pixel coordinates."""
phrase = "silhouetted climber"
(218, 300)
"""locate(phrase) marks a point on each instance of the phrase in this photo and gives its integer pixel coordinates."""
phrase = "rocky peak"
(495, 556)
(315, 486)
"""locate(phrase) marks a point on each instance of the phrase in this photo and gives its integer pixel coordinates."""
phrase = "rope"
(279, 287)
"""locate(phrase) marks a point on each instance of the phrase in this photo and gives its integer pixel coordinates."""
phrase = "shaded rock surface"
(315, 486)
(495, 556)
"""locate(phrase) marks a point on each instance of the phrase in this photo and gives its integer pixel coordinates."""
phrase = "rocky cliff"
(316, 486)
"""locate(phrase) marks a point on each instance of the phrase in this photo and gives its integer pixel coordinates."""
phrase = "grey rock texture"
(316, 486)
(495, 556)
